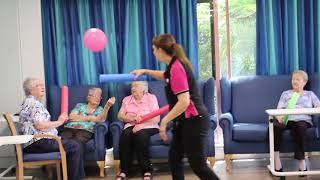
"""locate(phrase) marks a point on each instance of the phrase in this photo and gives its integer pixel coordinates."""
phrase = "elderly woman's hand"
(280, 119)
(137, 119)
(63, 118)
(163, 131)
(110, 102)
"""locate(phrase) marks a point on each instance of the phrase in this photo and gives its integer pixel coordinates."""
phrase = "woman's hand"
(163, 131)
(92, 118)
(280, 119)
(63, 118)
(138, 72)
(110, 102)
(137, 119)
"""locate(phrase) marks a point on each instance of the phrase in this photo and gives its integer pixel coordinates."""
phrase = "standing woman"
(187, 111)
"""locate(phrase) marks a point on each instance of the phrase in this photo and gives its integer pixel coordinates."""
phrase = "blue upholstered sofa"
(95, 148)
(158, 148)
(244, 120)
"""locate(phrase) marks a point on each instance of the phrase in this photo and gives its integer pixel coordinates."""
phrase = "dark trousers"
(73, 151)
(137, 143)
(297, 131)
(188, 138)
(79, 135)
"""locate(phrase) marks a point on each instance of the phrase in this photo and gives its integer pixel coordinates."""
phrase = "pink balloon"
(95, 39)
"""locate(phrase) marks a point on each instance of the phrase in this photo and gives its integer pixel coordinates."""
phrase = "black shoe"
(280, 170)
(303, 170)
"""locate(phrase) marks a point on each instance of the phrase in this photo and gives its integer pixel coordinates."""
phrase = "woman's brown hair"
(169, 45)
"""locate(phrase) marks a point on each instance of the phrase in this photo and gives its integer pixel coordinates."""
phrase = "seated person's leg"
(66, 133)
(126, 150)
(82, 136)
(141, 144)
(297, 131)
(74, 159)
(42, 146)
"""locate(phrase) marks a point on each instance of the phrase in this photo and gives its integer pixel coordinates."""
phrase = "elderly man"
(136, 136)
(36, 120)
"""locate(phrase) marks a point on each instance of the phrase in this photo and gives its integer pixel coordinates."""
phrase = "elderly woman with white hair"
(297, 97)
(36, 119)
(135, 138)
(84, 116)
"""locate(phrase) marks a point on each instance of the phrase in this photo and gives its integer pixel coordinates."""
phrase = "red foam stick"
(64, 99)
(155, 113)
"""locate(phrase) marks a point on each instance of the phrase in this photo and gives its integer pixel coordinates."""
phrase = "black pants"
(188, 138)
(73, 151)
(297, 131)
(137, 143)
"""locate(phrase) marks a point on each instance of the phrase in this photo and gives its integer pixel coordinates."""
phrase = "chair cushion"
(155, 139)
(250, 132)
(27, 157)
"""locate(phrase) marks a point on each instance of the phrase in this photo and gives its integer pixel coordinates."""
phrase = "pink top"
(179, 84)
(149, 103)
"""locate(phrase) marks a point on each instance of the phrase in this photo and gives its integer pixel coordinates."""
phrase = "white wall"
(21, 56)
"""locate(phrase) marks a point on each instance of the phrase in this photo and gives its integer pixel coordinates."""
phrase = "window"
(242, 22)
(204, 36)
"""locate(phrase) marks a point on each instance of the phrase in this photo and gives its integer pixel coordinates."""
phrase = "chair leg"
(212, 160)
(58, 170)
(116, 164)
(64, 167)
(50, 172)
(309, 154)
(19, 172)
(101, 167)
(228, 158)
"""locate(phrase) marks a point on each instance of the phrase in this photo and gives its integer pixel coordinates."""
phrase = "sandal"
(148, 176)
(119, 177)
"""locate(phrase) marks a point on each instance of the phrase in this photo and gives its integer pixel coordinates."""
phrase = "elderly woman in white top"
(36, 120)
(297, 124)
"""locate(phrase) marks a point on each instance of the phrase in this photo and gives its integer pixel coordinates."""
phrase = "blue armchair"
(95, 148)
(158, 148)
(244, 121)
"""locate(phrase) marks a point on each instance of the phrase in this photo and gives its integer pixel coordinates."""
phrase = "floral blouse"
(33, 111)
(81, 109)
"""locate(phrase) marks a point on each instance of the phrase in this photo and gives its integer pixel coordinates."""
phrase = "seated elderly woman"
(297, 124)
(136, 136)
(36, 119)
(84, 116)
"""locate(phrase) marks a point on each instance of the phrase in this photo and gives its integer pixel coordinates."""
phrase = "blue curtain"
(129, 25)
(288, 36)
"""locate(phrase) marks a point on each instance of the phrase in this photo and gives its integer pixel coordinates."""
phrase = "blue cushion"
(27, 157)
(250, 132)
(155, 139)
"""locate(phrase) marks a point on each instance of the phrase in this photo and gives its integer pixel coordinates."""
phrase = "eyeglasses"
(95, 96)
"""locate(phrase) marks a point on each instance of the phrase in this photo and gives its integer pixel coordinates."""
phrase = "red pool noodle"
(64, 99)
(155, 113)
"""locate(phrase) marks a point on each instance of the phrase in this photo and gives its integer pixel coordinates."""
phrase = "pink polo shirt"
(148, 104)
